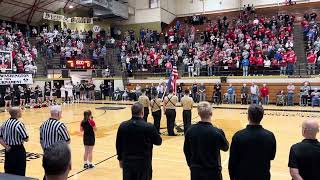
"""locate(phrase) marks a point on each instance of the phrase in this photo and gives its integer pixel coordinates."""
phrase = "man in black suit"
(202, 146)
(252, 149)
(135, 140)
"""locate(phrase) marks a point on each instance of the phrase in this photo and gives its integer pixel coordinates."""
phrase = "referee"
(12, 136)
(52, 130)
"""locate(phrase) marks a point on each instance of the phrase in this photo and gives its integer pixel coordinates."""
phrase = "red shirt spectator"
(168, 65)
(260, 61)
(253, 60)
(264, 91)
(311, 58)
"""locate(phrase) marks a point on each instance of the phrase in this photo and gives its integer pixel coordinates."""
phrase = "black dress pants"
(171, 118)
(15, 161)
(146, 114)
(132, 174)
(186, 115)
(205, 174)
(157, 119)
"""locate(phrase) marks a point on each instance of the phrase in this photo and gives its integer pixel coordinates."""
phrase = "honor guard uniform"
(187, 104)
(169, 106)
(155, 105)
(144, 100)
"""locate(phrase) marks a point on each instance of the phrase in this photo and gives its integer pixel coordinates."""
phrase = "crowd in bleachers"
(312, 40)
(16, 53)
(75, 44)
(255, 44)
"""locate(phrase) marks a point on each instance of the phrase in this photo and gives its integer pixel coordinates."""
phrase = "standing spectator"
(102, 90)
(244, 94)
(264, 94)
(245, 66)
(179, 92)
(88, 127)
(134, 152)
(197, 66)
(168, 66)
(202, 146)
(190, 68)
(230, 94)
(290, 89)
(138, 91)
(254, 93)
(304, 93)
(91, 88)
(194, 93)
(217, 94)
(12, 136)
(56, 161)
(312, 58)
(304, 158)
(252, 149)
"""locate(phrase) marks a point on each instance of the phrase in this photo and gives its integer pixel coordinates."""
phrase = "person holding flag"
(170, 101)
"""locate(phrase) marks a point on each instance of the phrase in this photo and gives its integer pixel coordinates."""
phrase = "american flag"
(172, 82)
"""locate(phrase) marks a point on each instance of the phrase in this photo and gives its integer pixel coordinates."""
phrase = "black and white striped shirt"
(52, 131)
(13, 132)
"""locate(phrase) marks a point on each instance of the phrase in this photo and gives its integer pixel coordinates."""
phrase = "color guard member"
(144, 100)
(169, 106)
(155, 105)
(187, 104)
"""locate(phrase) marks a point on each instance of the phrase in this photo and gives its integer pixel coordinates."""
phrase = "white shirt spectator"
(254, 89)
(267, 63)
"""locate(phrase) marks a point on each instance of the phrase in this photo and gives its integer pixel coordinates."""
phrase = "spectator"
(264, 94)
(315, 95)
(254, 93)
(230, 94)
(252, 148)
(56, 161)
(202, 146)
(304, 93)
(312, 58)
(304, 158)
(202, 94)
(131, 145)
(290, 89)
(245, 66)
(244, 94)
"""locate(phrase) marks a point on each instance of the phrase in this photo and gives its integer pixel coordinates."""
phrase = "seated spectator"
(315, 97)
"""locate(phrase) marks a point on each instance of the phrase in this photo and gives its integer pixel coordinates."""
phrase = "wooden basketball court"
(168, 159)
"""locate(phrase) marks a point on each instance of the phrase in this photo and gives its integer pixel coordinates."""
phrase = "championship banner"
(7, 79)
(57, 17)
